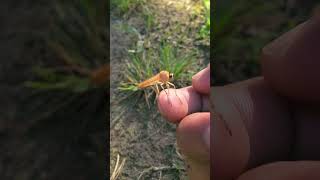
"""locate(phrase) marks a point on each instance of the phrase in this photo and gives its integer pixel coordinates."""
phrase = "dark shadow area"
(242, 28)
(54, 89)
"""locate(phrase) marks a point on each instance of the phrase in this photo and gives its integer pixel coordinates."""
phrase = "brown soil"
(138, 134)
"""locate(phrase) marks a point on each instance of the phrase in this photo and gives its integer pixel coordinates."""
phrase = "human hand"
(190, 110)
(274, 119)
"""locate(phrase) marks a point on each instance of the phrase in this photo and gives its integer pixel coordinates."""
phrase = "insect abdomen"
(149, 82)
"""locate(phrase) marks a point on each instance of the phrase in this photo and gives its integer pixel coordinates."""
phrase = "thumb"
(250, 110)
(230, 141)
(193, 137)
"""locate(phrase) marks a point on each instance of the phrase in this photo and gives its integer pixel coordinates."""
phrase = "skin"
(192, 116)
(274, 119)
(288, 92)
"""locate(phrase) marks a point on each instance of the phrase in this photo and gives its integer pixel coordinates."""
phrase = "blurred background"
(147, 36)
(54, 89)
(242, 28)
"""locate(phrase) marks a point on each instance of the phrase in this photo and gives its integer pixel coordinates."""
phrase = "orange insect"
(162, 79)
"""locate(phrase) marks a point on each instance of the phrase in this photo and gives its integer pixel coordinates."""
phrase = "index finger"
(176, 105)
(290, 64)
(201, 81)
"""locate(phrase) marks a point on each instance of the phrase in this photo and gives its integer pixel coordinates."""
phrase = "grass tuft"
(148, 63)
(123, 6)
(205, 29)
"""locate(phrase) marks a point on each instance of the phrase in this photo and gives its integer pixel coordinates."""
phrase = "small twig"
(163, 168)
(117, 169)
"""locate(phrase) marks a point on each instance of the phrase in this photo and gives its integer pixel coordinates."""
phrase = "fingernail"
(197, 76)
(206, 137)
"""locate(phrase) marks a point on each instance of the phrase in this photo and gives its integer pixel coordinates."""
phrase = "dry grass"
(118, 168)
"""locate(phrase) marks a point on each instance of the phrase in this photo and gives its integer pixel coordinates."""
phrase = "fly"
(161, 79)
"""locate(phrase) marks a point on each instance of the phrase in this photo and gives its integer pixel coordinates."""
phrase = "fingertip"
(201, 81)
(175, 104)
(172, 105)
(191, 134)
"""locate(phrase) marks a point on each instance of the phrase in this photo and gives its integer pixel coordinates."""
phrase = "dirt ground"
(138, 134)
(142, 136)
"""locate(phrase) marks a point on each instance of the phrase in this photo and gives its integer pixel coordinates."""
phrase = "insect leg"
(172, 85)
(175, 90)
(157, 91)
(161, 85)
(168, 87)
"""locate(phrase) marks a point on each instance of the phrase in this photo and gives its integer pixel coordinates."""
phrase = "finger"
(192, 135)
(178, 103)
(291, 63)
(201, 81)
(294, 170)
(251, 111)
(227, 163)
